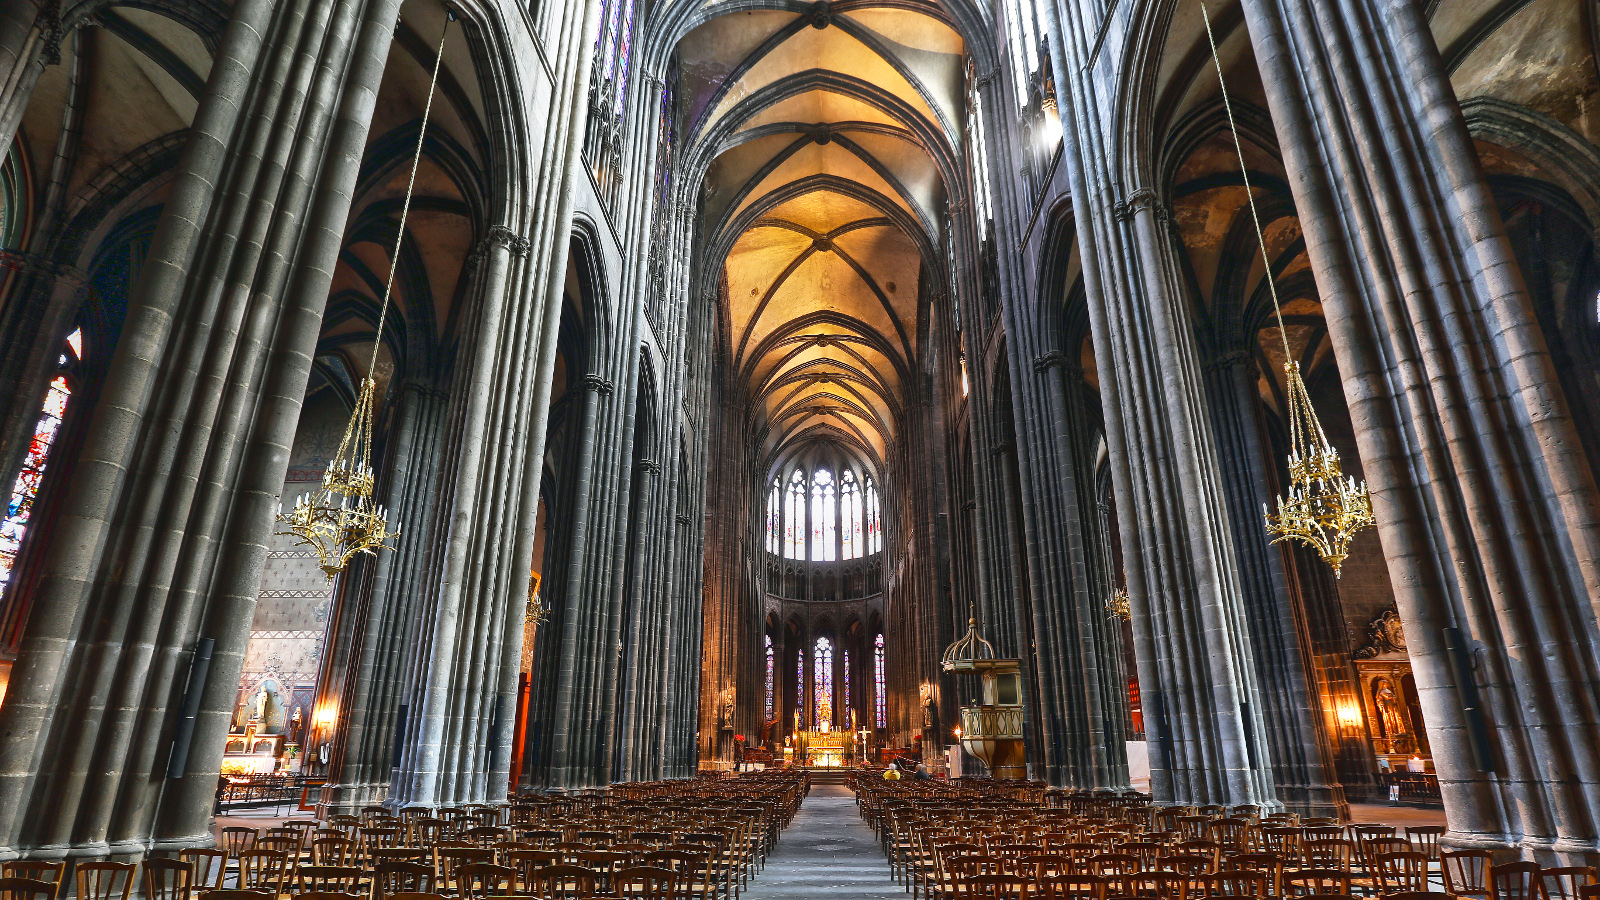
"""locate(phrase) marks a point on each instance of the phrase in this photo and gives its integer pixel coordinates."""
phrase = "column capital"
(1230, 360)
(501, 236)
(602, 386)
(1051, 360)
(648, 466)
(1141, 199)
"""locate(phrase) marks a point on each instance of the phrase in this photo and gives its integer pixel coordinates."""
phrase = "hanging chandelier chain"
(1244, 173)
(1301, 432)
(411, 184)
(1323, 507)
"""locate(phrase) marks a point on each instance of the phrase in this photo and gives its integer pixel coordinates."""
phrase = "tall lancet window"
(874, 523)
(800, 680)
(616, 50)
(880, 705)
(794, 519)
(822, 665)
(852, 541)
(774, 517)
(844, 685)
(19, 506)
(772, 695)
(824, 521)
(1024, 34)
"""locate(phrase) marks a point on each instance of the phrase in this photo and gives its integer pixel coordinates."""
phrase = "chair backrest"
(1070, 887)
(1426, 839)
(1187, 864)
(50, 871)
(263, 870)
(647, 883)
(104, 880)
(1113, 864)
(992, 887)
(1516, 881)
(328, 895)
(480, 879)
(1416, 895)
(335, 851)
(337, 879)
(14, 888)
(394, 877)
(415, 895)
(566, 883)
(1331, 854)
(168, 879)
(1236, 883)
(1466, 872)
(1566, 882)
(238, 894)
(1403, 872)
(210, 865)
(1313, 882)
(238, 838)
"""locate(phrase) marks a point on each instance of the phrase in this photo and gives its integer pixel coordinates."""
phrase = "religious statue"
(296, 726)
(1388, 703)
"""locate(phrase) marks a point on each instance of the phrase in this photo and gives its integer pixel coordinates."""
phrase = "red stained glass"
(19, 507)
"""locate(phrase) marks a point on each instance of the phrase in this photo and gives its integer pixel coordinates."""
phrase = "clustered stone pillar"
(204, 393)
(1196, 662)
(1074, 648)
(1486, 508)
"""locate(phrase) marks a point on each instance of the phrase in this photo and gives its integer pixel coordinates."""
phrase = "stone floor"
(826, 852)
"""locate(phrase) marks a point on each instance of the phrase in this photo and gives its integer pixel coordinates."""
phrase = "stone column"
(1486, 508)
(1291, 692)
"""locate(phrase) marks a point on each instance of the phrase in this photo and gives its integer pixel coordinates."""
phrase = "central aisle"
(826, 851)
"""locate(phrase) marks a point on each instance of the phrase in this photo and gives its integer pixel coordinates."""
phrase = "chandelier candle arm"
(342, 519)
(1324, 508)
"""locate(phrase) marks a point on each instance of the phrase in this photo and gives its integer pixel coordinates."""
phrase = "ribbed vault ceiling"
(823, 190)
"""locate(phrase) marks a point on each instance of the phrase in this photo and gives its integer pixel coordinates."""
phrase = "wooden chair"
(1426, 840)
(1331, 854)
(416, 896)
(1070, 887)
(263, 870)
(236, 839)
(1161, 885)
(327, 879)
(475, 880)
(335, 851)
(13, 888)
(1516, 881)
(1316, 882)
(1466, 873)
(447, 859)
(647, 883)
(104, 880)
(527, 862)
(210, 866)
(1267, 864)
(328, 895)
(992, 887)
(1185, 864)
(566, 883)
(52, 872)
(392, 878)
(486, 835)
(1403, 872)
(237, 894)
(1416, 895)
(1566, 882)
(289, 844)
(168, 879)
(1235, 883)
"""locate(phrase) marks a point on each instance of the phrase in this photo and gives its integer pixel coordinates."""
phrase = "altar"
(822, 748)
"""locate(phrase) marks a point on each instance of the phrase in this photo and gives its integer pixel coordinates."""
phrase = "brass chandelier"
(342, 519)
(1324, 508)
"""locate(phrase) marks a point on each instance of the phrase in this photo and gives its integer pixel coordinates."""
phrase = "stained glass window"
(822, 665)
(774, 516)
(772, 695)
(874, 525)
(800, 680)
(844, 685)
(851, 545)
(19, 507)
(824, 517)
(1024, 44)
(794, 526)
(880, 706)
